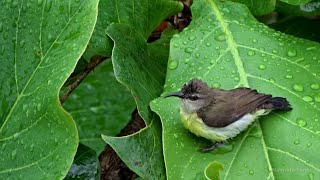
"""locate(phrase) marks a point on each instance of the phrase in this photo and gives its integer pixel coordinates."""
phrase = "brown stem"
(95, 61)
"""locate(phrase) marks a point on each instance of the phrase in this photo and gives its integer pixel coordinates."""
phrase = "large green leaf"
(226, 47)
(143, 15)
(100, 105)
(141, 67)
(40, 45)
(260, 7)
(142, 151)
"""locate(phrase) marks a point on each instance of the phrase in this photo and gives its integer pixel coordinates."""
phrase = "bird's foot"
(212, 147)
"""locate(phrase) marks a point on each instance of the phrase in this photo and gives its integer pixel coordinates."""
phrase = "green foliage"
(41, 43)
(142, 15)
(142, 151)
(296, 2)
(85, 164)
(141, 67)
(100, 105)
(260, 7)
(309, 9)
(226, 47)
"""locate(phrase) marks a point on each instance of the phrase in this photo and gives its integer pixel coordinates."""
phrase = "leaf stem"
(95, 61)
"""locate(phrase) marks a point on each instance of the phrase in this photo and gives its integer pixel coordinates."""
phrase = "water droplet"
(301, 122)
(176, 36)
(173, 64)
(176, 45)
(208, 44)
(187, 60)
(315, 86)
(185, 42)
(197, 55)
(251, 53)
(14, 154)
(288, 76)
(38, 107)
(310, 176)
(311, 48)
(292, 53)
(309, 144)
(15, 135)
(175, 135)
(254, 41)
(262, 67)
(307, 98)
(216, 85)
(191, 38)
(317, 98)
(223, 149)
(188, 50)
(296, 142)
(275, 51)
(3, 147)
(220, 37)
(39, 2)
(297, 87)
(236, 79)
(251, 172)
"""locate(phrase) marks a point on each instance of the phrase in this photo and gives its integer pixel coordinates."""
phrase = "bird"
(218, 115)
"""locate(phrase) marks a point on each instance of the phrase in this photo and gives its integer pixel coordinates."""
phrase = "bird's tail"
(277, 103)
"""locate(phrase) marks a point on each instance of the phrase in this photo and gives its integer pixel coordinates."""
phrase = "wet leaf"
(227, 48)
(141, 151)
(141, 67)
(296, 2)
(41, 43)
(309, 9)
(260, 7)
(85, 164)
(100, 105)
(142, 15)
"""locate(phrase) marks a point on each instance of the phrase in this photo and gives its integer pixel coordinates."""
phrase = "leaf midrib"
(242, 74)
(20, 95)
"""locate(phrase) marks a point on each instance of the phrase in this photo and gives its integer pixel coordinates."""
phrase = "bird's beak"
(176, 94)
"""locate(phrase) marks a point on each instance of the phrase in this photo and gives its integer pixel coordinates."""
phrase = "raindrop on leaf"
(251, 53)
(301, 122)
(297, 87)
(315, 86)
(292, 53)
(262, 67)
(307, 98)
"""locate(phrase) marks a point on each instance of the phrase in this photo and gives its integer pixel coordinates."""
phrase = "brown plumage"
(227, 106)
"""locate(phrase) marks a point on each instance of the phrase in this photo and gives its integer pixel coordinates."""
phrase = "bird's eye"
(193, 97)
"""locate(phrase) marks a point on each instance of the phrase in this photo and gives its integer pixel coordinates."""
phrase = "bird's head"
(194, 95)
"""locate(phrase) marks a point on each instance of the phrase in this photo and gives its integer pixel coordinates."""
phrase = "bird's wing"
(231, 105)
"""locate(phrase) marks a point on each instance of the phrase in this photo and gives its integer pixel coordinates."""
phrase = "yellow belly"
(196, 126)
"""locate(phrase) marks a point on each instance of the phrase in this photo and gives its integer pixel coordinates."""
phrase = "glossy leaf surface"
(227, 48)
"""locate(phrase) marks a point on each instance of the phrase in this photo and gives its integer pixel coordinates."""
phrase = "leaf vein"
(295, 157)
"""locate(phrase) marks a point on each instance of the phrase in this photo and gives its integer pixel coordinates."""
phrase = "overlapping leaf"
(100, 105)
(311, 8)
(85, 164)
(142, 15)
(40, 45)
(141, 67)
(226, 47)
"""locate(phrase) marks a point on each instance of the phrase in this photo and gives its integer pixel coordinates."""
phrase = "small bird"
(218, 114)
